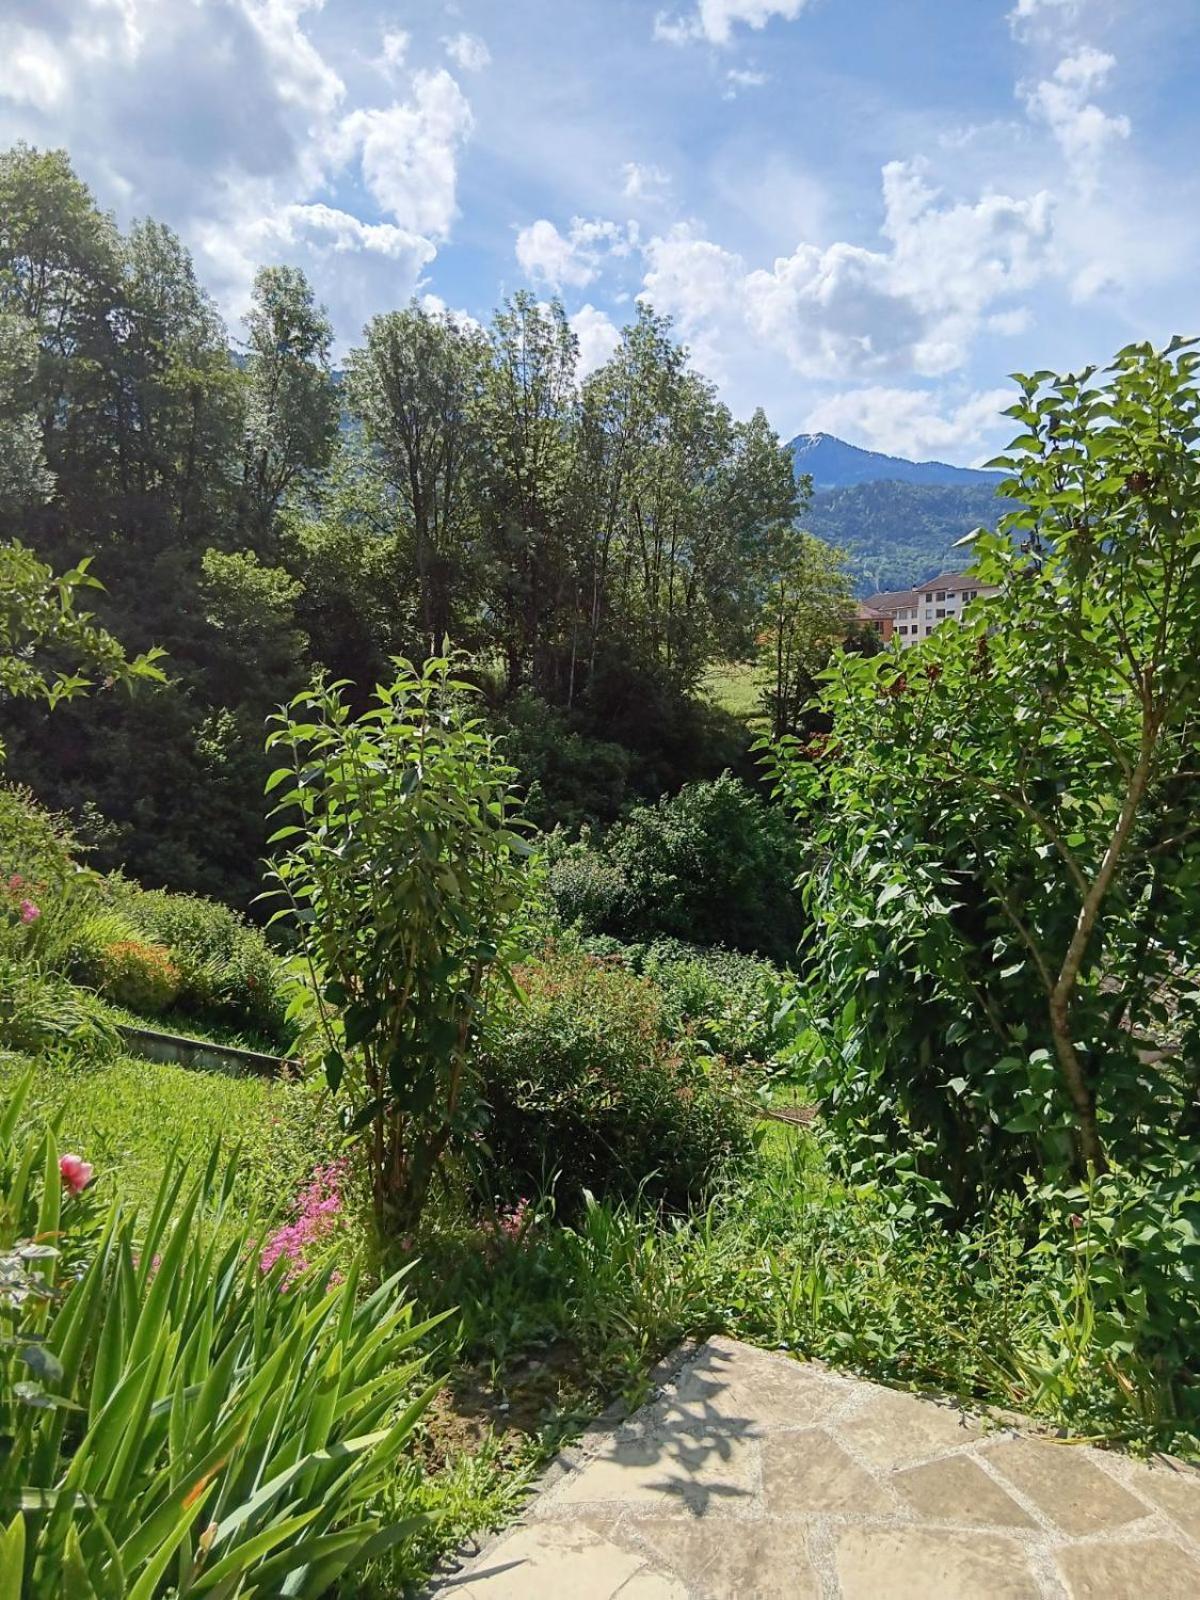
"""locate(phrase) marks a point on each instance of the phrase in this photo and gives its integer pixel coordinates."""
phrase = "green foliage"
(1005, 859)
(587, 1089)
(134, 1118)
(151, 951)
(175, 1421)
(571, 778)
(40, 624)
(40, 1012)
(138, 975)
(1047, 1319)
(714, 864)
(226, 970)
(731, 1002)
(805, 617)
(403, 876)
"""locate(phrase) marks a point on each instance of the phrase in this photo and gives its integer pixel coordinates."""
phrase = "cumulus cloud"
(226, 120)
(32, 68)
(848, 310)
(912, 422)
(1083, 131)
(409, 153)
(468, 51)
(715, 20)
(572, 259)
(393, 50)
(598, 337)
(1034, 15)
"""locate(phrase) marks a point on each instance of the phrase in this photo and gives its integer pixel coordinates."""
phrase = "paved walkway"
(755, 1477)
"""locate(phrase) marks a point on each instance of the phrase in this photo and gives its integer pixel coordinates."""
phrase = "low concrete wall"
(177, 1050)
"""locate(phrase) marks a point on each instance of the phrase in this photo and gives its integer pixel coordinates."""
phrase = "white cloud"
(847, 310)
(227, 120)
(644, 181)
(468, 51)
(743, 78)
(1083, 131)
(715, 20)
(34, 71)
(1029, 15)
(572, 259)
(911, 422)
(393, 50)
(598, 337)
(409, 153)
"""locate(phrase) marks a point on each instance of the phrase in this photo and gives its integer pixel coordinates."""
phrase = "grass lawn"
(733, 686)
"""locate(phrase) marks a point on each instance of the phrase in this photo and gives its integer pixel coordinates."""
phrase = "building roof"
(892, 600)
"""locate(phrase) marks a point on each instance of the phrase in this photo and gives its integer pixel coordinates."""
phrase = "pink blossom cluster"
(27, 910)
(317, 1211)
(75, 1172)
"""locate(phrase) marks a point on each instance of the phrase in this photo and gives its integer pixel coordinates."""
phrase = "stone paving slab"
(756, 1477)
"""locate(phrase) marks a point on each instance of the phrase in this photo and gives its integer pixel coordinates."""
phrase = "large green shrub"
(1005, 883)
(734, 1003)
(175, 1421)
(227, 970)
(713, 864)
(586, 1089)
(403, 876)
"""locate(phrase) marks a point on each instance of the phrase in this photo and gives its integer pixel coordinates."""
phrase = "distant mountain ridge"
(897, 520)
(834, 464)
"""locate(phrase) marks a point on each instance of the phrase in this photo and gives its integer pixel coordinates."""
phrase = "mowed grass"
(130, 1118)
(734, 687)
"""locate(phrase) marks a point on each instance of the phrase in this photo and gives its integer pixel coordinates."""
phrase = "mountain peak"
(834, 464)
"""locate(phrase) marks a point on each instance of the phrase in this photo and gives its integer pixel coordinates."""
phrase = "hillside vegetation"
(877, 1043)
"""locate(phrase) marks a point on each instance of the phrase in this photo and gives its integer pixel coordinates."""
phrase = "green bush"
(138, 975)
(585, 1088)
(174, 1421)
(731, 1002)
(227, 970)
(713, 864)
(571, 778)
(33, 843)
(41, 1012)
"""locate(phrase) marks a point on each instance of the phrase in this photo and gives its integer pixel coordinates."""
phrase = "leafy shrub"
(33, 842)
(138, 975)
(174, 1419)
(586, 889)
(227, 970)
(41, 1012)
(570, 777)
(732, 1002)
(583, 1085)
(713, 864)
(1005, 881)
(404, 877)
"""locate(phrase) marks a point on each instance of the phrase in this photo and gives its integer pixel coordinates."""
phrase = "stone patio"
(755, 1477)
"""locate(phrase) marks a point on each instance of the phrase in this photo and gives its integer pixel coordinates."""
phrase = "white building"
(915, 613)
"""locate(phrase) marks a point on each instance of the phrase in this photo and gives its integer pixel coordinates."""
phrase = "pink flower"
(76, 1172)
(29, 912)
(317, 1210)
(15, 882)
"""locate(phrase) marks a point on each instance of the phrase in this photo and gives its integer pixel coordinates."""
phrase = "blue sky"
(862, 214)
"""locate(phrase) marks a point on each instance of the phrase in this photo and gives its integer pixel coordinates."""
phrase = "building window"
(941, 594)
(929, 599)
(928, 614)
(941, 611)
